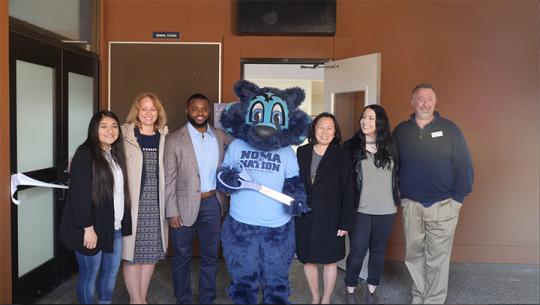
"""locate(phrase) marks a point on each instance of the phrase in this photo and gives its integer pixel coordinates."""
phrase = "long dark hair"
(386, 151)
(337, 136)
(102, 177)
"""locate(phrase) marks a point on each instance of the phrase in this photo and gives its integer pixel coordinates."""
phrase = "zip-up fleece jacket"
(435, 163)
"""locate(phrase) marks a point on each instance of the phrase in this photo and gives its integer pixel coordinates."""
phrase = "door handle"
(62, 196)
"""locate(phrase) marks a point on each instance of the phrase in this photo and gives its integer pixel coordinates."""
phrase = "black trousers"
(369, 232)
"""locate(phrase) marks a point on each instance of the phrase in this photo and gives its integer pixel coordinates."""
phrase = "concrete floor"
(469, 284)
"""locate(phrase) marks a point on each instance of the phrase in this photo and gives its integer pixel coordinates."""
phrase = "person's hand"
(90, 238)
(175, 222)
(341, 233)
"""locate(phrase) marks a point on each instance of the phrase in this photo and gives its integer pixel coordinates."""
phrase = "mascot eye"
(277, 115)
(257, 113)
(257, 116)
(277, 118)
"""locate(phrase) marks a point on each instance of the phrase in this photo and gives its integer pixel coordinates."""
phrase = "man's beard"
(195, 124)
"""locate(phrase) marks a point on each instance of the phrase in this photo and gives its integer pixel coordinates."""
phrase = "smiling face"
(147, 113)
(424, 101)
(198, 112)
(108, 132)
(325, 131)
(368, 123)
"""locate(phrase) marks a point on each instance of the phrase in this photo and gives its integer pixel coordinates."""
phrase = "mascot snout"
(264, 132)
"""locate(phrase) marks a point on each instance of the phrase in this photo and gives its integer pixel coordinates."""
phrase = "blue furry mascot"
(258, 234)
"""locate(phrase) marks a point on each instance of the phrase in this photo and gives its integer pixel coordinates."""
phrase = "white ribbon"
(21, 179)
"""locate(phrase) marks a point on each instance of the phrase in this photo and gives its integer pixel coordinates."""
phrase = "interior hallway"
(469, 284)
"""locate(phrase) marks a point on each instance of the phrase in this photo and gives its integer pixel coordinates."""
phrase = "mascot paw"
(295, 188)
(297, 208)
(228, 178)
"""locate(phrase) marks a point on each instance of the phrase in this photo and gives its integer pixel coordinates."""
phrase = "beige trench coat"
(134, 164)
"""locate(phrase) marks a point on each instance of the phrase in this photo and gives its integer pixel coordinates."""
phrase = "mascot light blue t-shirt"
(269, 168)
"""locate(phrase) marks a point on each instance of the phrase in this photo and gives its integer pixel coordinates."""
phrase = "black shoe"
(350, 298)
(370, 297)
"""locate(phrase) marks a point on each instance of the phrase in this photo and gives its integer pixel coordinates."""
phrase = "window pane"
(35, 119)
(35, 228)
(81, 97)
(71, 19)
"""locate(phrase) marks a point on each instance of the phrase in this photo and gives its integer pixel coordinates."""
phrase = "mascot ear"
(245, 90)
(294, 96)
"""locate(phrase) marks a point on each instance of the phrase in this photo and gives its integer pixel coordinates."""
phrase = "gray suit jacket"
(182, 181)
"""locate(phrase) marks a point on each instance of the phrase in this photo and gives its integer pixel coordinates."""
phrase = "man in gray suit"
(193, 205)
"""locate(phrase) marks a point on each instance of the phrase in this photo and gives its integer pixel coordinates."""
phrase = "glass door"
(48, 86)
(79, 104)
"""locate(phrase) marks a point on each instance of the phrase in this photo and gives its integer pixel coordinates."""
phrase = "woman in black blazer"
(326, 171)
(97, 213)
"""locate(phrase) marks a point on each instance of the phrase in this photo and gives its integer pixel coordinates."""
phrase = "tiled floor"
(469, 284)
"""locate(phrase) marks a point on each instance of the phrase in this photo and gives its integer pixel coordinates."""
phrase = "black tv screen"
(287, 17)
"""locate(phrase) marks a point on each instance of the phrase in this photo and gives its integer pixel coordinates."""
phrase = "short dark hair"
(337, 135)
(422, 86)
(196, 96)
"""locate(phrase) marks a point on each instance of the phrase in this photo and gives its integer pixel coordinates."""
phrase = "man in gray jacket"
(193, 205)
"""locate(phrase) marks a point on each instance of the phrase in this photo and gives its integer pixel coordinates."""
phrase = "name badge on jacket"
(436, 134)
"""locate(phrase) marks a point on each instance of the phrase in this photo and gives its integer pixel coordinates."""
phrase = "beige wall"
(482, 57)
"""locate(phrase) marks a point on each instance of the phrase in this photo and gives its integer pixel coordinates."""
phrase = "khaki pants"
(429, 234)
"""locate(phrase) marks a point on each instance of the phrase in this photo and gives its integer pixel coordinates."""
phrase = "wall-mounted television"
(287, 17)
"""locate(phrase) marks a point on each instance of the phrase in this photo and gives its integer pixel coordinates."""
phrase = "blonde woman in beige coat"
(144, 142)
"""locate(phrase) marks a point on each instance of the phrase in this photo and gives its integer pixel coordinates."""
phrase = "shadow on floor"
(469, 284)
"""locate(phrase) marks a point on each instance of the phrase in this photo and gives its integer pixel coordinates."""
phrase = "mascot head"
(266, 118)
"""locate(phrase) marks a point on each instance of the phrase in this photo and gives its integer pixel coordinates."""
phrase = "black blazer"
(331, 199)
(79, 212)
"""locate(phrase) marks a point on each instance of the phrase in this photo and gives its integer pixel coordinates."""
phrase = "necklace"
(370, 142)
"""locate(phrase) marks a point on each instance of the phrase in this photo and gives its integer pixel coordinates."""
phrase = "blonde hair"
(133, 118)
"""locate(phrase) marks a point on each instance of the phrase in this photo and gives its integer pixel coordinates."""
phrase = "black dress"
(331, 199)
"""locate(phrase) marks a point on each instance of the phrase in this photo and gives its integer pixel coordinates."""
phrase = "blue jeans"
(107, 264)
(207, 226)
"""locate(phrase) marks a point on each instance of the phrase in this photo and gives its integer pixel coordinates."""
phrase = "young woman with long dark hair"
(97, 212)
(375, 161)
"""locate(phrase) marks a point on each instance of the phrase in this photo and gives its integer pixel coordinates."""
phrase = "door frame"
(24, 48)
(284, 61)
